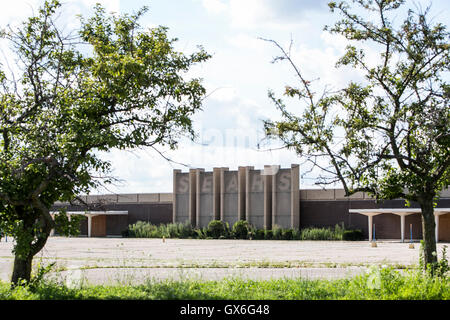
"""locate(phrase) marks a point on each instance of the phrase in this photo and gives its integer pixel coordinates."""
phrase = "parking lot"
(125, 260)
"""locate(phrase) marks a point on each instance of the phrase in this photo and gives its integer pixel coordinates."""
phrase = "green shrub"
(287, 234)
(201, 233)
(339, 231)
(353, 235)
(217, 229)
(317, 234)
(142, 229)
(240, 229)
(185, 230)
(268, 234)
(259, 234)
(277, 233)
(296, 234)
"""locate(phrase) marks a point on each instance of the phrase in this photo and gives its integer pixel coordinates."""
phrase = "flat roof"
(398, 211)
(109, 212)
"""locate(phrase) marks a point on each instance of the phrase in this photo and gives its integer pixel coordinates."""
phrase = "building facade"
(265, 198)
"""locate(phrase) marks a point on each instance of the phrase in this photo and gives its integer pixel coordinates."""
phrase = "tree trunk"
(28, 244)
(22, 269)
(429, 233)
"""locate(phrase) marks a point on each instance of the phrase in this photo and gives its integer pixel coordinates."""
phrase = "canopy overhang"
(400, 212)
(90, 214)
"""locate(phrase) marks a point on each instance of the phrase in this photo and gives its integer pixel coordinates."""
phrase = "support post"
(247, 192)
(217, 193)
(436, 220)
(89, 225)
(370, 227)
(295, 196)
(242, 193)
(402, 227)
(192, 197)
(196, 196)
(174, 195)
(52, 232)
(68, 218)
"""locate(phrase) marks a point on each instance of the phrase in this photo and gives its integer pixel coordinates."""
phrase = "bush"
(353, 235)
(217, 229)
(268, 234)
(287, 234)
(317, 234)
(240, 229)
(296, 234)
(259, 234)
(339, 231)
(277, 233)
(201, 233)
(143, 229)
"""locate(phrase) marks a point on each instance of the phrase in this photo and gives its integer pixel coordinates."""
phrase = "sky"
(237, 77)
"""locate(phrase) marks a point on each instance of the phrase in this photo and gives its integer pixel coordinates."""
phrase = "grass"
(377, 284)
(249, 264)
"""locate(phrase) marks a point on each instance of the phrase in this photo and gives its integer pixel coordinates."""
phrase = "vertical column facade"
(295, 196)
(193, 197)
(229, 196)
(263, 198)
(216, 192)
(204, 197)
(181, 197)
(286, 197)
(254, 209)
(268, 174)
(241, 193)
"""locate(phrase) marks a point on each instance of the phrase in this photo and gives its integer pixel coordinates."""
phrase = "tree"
(110, 84)
(388, 134)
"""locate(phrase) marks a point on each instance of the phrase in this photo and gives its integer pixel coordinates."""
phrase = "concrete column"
(436, 221)
(295, 196)
(197, 187)
(89, 224)
(192, 197)
(247, 192)
(174, 195)
(267, 180)
(68, 218)
(52, 232)
(370, 227)
(274, 200)
(241, 193)
(402, 227)
(217, 192)
(222, 192)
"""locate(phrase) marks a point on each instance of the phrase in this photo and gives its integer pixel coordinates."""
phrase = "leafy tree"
(388, 134)
(111, 84)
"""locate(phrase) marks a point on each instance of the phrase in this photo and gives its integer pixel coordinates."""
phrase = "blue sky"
(237, 77)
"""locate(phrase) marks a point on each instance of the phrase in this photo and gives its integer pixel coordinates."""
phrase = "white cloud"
(215, 6)
(252, 14)
(249, 13)
(245, 41)
(15, 13)
(221, 93)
